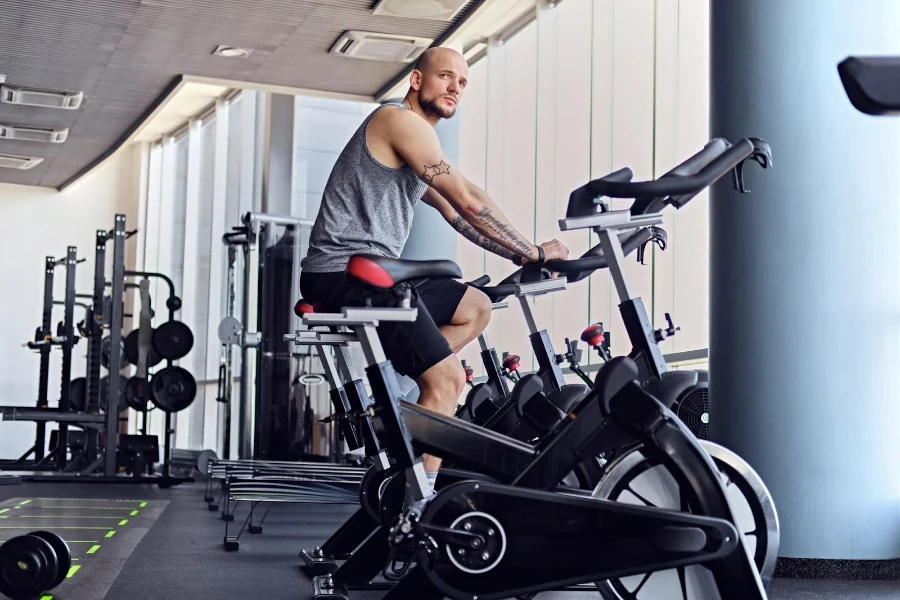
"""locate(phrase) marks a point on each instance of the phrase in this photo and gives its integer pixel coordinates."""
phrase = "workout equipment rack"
(265, 284)
(45, 340)
(102, 442)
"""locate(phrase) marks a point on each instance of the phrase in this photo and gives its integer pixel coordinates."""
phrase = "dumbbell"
(31, 565)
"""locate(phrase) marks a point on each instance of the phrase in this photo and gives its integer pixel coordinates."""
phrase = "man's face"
(442, 84)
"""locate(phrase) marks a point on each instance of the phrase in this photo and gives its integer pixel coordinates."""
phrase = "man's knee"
(475, 309)
(445, 380)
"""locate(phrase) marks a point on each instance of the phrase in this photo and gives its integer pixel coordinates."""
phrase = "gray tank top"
(366, 208)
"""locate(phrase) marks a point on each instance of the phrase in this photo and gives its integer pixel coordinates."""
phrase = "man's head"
(438, 81)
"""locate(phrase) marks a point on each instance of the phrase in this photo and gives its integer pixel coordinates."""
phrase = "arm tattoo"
(433, 171)
(469, 233)
(504, 231)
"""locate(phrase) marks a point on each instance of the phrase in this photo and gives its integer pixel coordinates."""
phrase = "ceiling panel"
(124, 54)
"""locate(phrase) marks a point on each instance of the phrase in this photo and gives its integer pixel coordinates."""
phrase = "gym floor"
(168, 545)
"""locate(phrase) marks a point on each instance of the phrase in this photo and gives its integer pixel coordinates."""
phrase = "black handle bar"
(676, 186)
(575, 270)
(597, 260)
(481, 281)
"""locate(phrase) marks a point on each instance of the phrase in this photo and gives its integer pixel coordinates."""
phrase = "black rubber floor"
(181, 557)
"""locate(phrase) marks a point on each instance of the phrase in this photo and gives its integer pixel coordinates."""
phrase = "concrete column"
(805, 293)
(279, 155)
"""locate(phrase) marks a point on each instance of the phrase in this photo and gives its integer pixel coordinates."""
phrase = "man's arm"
(417, 143)
(434, 199)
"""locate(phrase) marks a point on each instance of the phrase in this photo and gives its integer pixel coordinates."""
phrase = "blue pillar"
(804, 286)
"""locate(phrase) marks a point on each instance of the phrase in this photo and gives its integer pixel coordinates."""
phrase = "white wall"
(40, 222)
(587, 88)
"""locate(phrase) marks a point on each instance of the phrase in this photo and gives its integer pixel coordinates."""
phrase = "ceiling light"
(232, 52)
(439, 10)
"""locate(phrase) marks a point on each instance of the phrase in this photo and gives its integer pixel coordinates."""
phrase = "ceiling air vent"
(439, 10)
(45, 98)
(13, 161)
(33, 134)
(380, 46)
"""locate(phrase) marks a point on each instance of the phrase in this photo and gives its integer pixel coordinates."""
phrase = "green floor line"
(46, 597)
(134, 513)
(4, 510)
(83, 500)
(123, 522)
(110, 534)
(55, 527)
(143, 504)
(93, 549)
(24, 502)
(42, 506)
(59, 517)
(73, 570)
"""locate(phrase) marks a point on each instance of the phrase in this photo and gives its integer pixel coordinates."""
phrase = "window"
(585, 89)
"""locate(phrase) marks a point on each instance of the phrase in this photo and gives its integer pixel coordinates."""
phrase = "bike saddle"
(383, 272)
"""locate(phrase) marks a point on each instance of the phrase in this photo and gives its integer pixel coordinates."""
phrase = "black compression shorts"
(412, 348)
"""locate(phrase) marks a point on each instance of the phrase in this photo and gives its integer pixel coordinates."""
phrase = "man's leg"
(439, 390)
(469, 320)
(442, 384)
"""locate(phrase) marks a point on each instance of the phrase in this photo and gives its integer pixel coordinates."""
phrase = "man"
(393, 160)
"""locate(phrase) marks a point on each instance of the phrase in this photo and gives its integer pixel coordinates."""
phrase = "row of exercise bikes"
(548, 485)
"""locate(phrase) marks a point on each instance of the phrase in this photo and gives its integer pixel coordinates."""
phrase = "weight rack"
(44, 343)
(102, 436)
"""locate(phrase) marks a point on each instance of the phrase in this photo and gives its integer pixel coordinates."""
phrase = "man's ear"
(415, 79)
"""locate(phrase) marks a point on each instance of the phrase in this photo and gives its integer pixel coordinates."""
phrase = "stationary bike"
(478, 537)
(762, 525)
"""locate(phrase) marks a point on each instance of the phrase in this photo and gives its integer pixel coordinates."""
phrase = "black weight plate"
(63, 554)
(78, 394)
(173, 389)
(137, 393)
(173, 340)
(28, 567)
(131, 350)
(106, 348)
(104, 393)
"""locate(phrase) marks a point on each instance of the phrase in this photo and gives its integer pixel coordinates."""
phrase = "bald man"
(392, 161)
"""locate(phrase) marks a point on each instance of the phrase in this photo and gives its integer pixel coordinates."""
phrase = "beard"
(433, 109)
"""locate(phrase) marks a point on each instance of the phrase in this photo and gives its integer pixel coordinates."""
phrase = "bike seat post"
(385, 411)
(540, 339)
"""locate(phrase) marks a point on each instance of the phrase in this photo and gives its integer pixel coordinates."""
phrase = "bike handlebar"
(575, 269)
(676, 186)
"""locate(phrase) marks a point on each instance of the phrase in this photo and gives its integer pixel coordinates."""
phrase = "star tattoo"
(432, 172)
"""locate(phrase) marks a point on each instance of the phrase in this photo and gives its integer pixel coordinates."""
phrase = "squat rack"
(102, 436)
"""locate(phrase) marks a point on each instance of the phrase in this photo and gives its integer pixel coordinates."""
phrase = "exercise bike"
(477, 538)
(767, 539)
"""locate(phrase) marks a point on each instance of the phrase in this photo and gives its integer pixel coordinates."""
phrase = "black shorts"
(412, 348)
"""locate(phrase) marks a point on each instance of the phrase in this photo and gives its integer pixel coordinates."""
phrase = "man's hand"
(555, 250)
